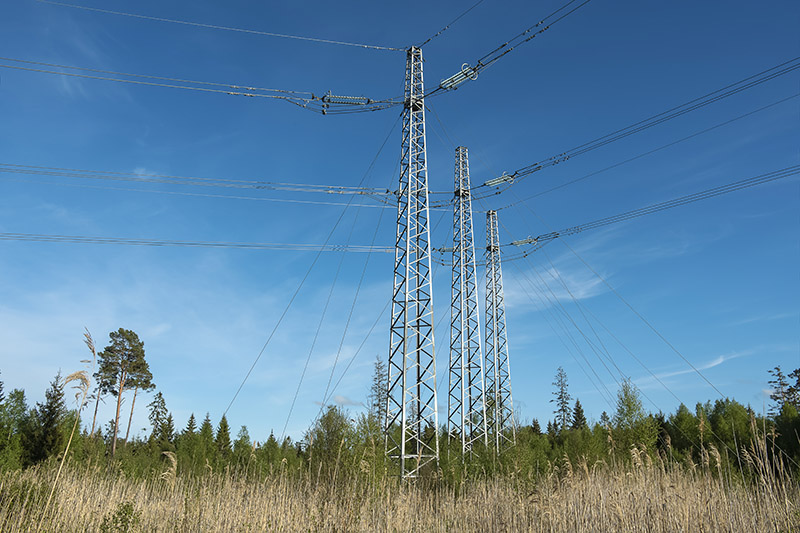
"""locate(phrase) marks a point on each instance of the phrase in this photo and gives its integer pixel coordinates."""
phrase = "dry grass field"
(642, 496)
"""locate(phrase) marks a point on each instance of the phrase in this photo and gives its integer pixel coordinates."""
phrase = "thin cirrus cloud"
(647, 381)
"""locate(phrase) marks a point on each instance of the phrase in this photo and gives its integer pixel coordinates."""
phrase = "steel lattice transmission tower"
(411, 415)
(500, 407)
(466, 408)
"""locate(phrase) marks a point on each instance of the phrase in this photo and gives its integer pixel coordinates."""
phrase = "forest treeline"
(713, 433)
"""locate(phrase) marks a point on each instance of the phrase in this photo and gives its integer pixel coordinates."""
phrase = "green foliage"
(13, 416)
(632, 425)
(329, 438)
(787, 428)
(123, 519)
(44, 432)
(242, 446)
(336, 446)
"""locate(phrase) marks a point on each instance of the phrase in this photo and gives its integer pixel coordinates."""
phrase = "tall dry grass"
(649, 495)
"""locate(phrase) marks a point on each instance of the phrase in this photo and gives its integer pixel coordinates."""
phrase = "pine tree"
(141, 380)
(783, 391)
(105, 385)
(562, 399)
(779, 389)
(793, 391)
(120, 363)
(578, 417)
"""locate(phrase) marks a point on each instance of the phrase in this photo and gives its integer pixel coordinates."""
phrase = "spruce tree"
(377, 391)
(223, 438)
(45, 434)
(166, 434)
(191, 426)
(206, 440)
(158, 415)
(561, 399)
(187, 443)
(578, 417)
(271, 450)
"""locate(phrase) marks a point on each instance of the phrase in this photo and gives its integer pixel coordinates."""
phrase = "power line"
(663, 206)
(303, 247)
(651, 327)
(226, 28)
(468, 72)
(202, 195)
(447, 27)
(305, 277)
(702, 101)
(327, 104)
(637, 313)
(649, 152)
(161, 78)
(330, 294)
(145, 177)
(540, 240)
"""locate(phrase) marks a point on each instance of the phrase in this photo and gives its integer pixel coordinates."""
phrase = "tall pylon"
(500, 406)
(412, 417)
(466, 407)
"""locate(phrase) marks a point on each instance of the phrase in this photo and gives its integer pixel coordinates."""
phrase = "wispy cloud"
(764, 318)
(550, 286)
(648, 381)
(342, 400)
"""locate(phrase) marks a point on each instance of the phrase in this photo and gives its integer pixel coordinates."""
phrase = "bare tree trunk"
(96, 405)
(130, 418)
(116, 418)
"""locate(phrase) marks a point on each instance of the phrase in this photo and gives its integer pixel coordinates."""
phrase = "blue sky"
(717, 279)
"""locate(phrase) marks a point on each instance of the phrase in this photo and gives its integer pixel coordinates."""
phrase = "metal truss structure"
(412, 420)
(500, 407)
(466, 407)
